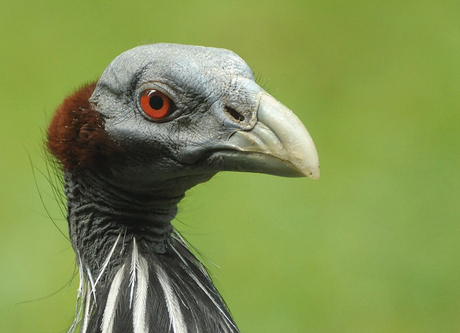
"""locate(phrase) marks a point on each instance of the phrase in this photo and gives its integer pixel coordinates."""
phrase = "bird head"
(182, 113)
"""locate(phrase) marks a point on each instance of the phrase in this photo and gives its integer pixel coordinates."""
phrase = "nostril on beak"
(234, 114)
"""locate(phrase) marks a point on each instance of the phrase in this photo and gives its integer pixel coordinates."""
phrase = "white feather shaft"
(80, 295)
(108, 318)
(139, 278)
(84, 325)
(106, 262)
(133, 271)
(172, 303)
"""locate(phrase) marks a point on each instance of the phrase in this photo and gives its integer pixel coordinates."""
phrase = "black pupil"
(156, 102)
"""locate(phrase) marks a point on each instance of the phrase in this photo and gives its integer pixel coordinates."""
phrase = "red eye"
(155, 104)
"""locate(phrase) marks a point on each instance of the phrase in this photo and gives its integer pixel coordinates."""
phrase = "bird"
(161, 119)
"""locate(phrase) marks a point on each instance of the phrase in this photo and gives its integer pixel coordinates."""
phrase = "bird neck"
(98, 210)
(136, 272)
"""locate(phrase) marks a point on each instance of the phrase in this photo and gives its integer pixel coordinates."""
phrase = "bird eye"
(155, 104)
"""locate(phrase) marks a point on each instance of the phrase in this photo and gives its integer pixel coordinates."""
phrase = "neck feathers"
(137, 274)
(147, 292)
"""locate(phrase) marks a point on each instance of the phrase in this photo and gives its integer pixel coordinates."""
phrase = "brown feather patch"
(76, 135)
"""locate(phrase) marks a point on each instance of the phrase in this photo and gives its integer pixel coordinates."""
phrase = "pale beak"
(278, 144)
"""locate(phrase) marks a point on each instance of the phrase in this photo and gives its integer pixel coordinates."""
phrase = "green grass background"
(373, 246)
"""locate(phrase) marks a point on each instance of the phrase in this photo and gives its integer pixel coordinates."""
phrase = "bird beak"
(278, 144)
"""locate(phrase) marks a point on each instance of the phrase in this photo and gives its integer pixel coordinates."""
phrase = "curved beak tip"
(313, 173)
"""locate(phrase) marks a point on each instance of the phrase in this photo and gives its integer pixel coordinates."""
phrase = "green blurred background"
(373, 246)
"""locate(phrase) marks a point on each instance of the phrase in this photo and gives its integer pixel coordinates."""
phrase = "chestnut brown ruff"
(76, 135)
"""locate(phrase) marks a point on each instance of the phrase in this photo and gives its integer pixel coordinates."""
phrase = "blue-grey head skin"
(137, 273)
(204, 83)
